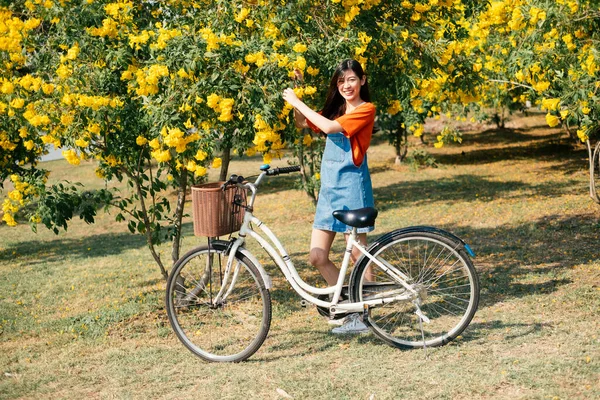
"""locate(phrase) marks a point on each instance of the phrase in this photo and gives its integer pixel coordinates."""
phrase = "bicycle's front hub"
(421, 292)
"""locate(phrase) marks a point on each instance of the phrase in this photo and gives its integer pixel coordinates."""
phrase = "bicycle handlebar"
(284, 170)
(238, 179)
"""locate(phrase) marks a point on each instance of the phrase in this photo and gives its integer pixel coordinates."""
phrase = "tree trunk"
(594, 158)
(181, 194)
(226, 158)
(148, 227)
(309, 191)
(400, 144)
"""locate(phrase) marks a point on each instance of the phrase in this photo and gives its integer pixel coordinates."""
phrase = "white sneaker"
(352, 325)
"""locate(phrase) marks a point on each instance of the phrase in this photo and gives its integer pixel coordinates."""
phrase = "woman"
(347, 119)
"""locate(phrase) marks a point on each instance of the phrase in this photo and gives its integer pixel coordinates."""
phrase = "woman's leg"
(320, 246)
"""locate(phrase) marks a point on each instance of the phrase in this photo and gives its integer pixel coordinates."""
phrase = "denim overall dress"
(344, 186)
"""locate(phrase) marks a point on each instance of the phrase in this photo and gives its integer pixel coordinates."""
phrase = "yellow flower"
(200, 171)
(161, 155)
(550, 104)
(585, 110)
(9, 219)
(47, 88)
(73, 52)
(213, 101)
(82, 142)
(242, 15)
(17, 103)
(267, 158)
(191, 166)
(395, 107)
(582, 134)
(309, 90)
(7, 87)
(299, 48)
(520, 75)
(541, 86)
(216, 162)
(71, 156)
(200, 155)
(154, 143)
(63, 71)
(552, 120)
(419, 131)
(300, 63)
(299, 91)
(94, 128)
(307, 140)
(140, 140)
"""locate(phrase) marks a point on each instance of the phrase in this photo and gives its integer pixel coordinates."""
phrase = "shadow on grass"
(312, 342)
(101, 245)
(565, 155)
(530, 259)
(479, 330)
(508, 135)
(309, 342)
(462, 188)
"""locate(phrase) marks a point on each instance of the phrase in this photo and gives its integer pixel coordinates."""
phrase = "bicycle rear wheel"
(228, 330)
(441, 272)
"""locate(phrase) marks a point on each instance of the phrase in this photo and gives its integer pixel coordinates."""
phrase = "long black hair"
(335, 104)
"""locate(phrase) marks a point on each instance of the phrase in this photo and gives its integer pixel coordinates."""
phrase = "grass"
(82, 314)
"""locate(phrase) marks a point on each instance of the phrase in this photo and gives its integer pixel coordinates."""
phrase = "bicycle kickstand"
(422, 317)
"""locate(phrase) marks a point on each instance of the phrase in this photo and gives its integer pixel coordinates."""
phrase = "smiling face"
(349, 85)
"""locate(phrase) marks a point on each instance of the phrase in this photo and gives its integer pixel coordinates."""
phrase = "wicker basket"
(213, 210)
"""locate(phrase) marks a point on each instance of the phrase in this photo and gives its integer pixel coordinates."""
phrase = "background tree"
(545, 53)
(156, 93)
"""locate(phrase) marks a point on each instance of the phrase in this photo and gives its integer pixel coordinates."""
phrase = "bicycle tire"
(441, 272)
(227, 332)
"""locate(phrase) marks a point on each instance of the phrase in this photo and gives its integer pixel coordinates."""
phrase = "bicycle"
(415, 287)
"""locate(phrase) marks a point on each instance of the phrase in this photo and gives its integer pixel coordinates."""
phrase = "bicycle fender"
(244, 252)
(424, 228)
(265, 277)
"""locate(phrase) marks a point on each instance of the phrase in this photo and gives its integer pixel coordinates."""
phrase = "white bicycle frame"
(276, 250)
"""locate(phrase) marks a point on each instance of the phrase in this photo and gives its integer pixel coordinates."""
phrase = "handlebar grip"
(284, 170)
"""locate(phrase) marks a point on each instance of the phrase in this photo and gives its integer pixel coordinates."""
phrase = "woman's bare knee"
(318, 257)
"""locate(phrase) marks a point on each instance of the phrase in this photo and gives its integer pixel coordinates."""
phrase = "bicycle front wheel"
(443, 276)
(215, 318)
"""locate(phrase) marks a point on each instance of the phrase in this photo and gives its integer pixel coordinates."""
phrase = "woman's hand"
(298, 75)
(290, 97)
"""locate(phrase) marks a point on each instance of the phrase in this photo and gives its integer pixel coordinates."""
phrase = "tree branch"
(511, 82)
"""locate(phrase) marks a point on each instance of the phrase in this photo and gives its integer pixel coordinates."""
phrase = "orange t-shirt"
(358, 127)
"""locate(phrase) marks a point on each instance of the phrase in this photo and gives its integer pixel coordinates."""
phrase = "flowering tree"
(157, 92)
(544, 52)
(153, 92)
